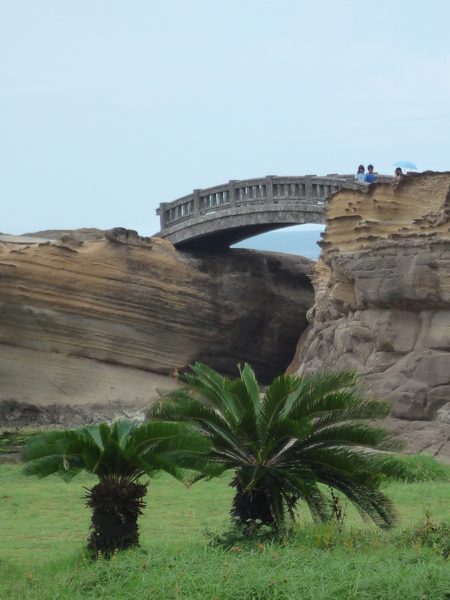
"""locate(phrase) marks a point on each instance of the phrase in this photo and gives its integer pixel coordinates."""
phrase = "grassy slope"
(44, 526)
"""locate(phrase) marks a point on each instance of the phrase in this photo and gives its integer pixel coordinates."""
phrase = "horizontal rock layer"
(139, 303)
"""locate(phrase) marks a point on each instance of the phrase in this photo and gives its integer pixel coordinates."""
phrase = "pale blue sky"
(108, 108)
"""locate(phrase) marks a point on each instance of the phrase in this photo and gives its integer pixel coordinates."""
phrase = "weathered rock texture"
(40, 389)
(137, 303)
(382, 304)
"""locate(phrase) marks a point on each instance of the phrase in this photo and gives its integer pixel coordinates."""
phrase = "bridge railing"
(308, 189)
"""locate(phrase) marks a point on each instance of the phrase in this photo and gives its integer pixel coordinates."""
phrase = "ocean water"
(290, 241)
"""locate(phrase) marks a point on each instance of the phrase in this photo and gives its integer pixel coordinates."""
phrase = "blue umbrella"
(405, 164)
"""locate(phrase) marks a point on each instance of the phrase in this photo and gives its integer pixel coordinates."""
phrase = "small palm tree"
(281, 445)
(119, 455)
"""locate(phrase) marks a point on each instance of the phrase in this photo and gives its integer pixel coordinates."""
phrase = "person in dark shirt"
(369, 177)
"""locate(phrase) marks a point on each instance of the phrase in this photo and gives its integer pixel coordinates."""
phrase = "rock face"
(382, 304)
(137, 303)
(40, 389)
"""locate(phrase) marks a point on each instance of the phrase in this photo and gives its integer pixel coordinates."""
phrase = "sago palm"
(284, 443)
(118, 455)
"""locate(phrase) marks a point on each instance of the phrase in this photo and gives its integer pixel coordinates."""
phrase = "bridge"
(223, 215)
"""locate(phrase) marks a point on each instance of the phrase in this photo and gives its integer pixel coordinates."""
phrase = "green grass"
(423, 467)
(44, 527)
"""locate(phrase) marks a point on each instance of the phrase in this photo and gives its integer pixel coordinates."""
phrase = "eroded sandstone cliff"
(382, 304)
(67, 306)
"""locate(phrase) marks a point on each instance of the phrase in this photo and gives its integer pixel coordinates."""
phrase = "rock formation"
(382, 302)
(69, 307)
(86, 320)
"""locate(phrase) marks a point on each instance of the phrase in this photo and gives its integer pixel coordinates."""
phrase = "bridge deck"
(234, 211)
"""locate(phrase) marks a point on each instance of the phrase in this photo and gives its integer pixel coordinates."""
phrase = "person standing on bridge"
(360, 174)
(370, 176)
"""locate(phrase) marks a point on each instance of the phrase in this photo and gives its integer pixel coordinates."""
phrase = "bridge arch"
(223, 215)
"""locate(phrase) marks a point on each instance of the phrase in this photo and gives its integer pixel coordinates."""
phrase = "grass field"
(44, 526)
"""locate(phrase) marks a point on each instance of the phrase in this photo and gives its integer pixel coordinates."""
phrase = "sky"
(109, 107)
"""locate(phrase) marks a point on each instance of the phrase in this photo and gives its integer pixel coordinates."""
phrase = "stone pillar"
(308, 187)
(269, 189)
(232, 192)
(162, 215)
(196, 203)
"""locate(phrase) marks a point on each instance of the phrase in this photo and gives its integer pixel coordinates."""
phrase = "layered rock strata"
(382, 302)
(67, 305)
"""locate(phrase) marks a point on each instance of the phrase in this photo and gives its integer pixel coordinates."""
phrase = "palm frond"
(245, 405)
(100, 433)
(369, 502)
(125, 432)
(224, 439)
(251, 385)
(52, 442)
(157, 435)
(273, 405)
(344, 407)
(55, 464)
(220, 391)
(152, 462)
(58, 452)
(212, 424)
(317, 386)
(303, 484)
(111, 460)
(184, 407)
(283, 438)
(366, 467)
(352, 433)
(246, 429)
(209, 384)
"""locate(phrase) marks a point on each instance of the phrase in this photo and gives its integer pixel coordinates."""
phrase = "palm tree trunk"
(116, 507)
(250, 506)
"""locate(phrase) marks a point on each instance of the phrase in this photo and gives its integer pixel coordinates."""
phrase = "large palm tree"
(119, 455)
(284, 443)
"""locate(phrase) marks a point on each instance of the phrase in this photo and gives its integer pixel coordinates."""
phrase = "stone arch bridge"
(223, 215)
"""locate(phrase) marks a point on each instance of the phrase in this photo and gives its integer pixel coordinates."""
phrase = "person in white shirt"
(360, 174)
